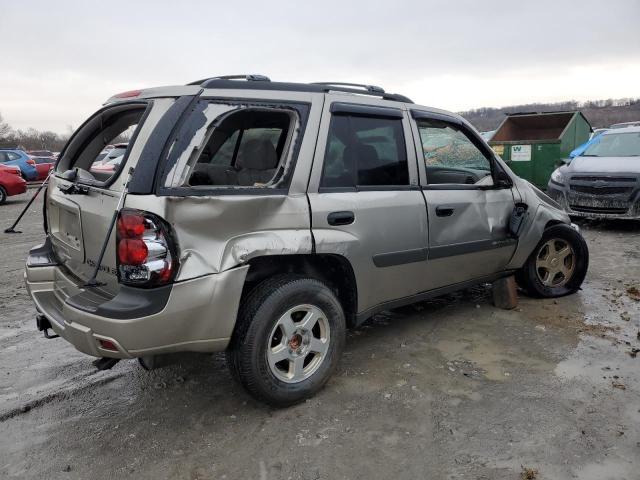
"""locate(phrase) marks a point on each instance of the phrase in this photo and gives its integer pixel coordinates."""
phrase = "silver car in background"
(604, 181)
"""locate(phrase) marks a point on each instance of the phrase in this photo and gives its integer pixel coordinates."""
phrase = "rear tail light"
(31, 161)
(147, 253)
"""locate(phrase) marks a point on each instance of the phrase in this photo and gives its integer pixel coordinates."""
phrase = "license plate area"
(65, 225)
(597, 201)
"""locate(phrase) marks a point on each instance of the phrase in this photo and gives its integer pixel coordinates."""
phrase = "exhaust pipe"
(105, 363)
(148, 362)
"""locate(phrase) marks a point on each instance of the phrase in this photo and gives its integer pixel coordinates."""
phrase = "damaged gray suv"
(264, 219)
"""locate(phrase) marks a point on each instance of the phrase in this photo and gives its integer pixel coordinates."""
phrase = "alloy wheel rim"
(555, 263)
(298, 343)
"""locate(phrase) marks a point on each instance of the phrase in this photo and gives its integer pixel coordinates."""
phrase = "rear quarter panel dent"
(243, 248)
(216, 233)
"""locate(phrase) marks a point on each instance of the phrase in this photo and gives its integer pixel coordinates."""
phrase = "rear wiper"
(74, 189)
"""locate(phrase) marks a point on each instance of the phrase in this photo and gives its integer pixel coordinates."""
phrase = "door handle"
(444, 211)
(341, 218)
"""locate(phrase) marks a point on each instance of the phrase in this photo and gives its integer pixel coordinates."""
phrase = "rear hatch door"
(80, 209)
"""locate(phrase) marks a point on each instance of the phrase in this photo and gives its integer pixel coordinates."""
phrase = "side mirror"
(566, 161)
(503, 180)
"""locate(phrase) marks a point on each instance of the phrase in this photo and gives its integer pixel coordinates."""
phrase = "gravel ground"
(451, 388)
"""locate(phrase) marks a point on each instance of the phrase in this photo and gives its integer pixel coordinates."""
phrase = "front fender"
(543, 216)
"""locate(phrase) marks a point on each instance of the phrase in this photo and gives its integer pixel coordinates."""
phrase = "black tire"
(259, 313)
(3, 195)
(528, 276)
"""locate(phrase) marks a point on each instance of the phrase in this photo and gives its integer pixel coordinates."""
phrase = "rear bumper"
(196, 315)
(594, 206)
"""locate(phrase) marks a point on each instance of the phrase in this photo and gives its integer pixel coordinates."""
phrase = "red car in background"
(45, 161)
(11, 182)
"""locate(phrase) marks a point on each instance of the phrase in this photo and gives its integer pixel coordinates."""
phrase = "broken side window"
(236, 146)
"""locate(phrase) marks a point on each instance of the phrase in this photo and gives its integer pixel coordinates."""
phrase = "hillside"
(600, 113)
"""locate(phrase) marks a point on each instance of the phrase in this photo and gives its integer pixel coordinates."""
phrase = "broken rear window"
(114, 125)
(235, 146)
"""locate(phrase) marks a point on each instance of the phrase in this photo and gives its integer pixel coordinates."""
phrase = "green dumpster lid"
(528, 126)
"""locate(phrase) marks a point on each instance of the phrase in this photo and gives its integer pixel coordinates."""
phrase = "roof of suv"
(260, 82)
(263, 83)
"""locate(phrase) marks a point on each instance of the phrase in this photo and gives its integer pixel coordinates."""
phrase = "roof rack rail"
(247, 77)
(368, 88)
(230, 82)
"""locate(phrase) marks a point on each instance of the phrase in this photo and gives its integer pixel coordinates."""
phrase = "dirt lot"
(452, 388)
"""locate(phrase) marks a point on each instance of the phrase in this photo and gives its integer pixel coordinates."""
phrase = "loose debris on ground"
(634, 293)
(528, 473)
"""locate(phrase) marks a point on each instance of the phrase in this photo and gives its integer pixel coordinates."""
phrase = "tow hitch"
(43, 325)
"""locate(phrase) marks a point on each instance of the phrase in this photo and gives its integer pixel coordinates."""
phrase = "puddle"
(599, 362)
(496, 362)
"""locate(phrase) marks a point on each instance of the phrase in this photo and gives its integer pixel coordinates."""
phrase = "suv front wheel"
(558, 264)
(288, 340)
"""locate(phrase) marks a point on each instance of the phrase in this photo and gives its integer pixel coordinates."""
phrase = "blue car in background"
(20, 159)
(595, 138)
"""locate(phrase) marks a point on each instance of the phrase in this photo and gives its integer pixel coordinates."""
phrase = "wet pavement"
(451, 388)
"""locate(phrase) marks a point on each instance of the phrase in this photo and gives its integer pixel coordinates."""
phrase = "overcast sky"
(64, 58)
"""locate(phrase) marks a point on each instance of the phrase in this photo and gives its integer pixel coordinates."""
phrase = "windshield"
(615, 145)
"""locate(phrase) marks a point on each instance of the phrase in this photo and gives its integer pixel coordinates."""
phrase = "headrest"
(258, 154)
(368, 152)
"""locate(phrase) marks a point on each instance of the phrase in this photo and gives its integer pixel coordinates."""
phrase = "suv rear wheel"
(558, 264)
(288, 340)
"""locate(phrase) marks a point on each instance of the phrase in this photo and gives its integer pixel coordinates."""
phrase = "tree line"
(599, 113)
(30, 139)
